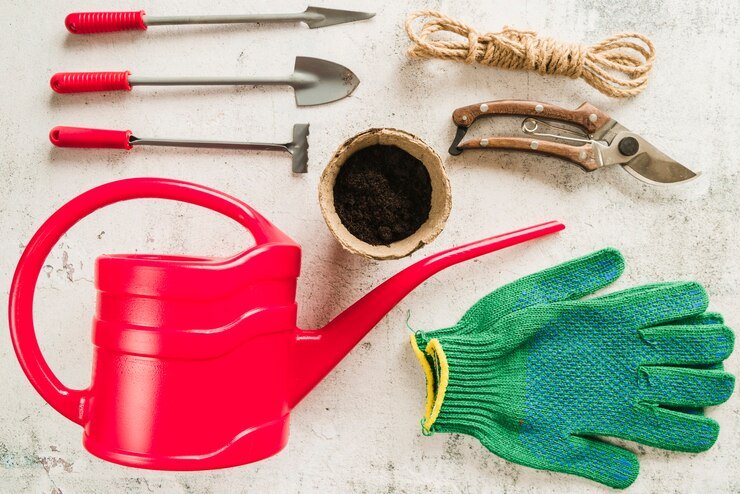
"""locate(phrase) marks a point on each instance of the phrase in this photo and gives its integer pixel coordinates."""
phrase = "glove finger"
(570, 280)
(600, 461)
(653, 305)
(687, 345)
(701, 319)
(695, 410)
(634, 291)
(668, 429)
(683, 387)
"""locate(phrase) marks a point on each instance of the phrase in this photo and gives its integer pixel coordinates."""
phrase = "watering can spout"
(319, 351)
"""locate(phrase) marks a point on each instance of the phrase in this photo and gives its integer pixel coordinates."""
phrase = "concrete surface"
(359, 431)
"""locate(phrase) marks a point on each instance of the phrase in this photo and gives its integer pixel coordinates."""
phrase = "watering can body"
(192, 358)
(198, 361)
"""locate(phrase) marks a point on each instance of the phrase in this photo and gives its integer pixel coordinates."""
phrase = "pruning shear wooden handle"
(584, 156)
(586, 116)
(592, 139)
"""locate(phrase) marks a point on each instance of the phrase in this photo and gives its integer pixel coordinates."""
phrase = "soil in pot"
(382, 194)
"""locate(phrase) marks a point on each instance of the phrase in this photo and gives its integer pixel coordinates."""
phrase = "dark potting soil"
(382, 194)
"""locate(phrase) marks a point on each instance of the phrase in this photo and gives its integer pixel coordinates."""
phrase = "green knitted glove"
(537, 385)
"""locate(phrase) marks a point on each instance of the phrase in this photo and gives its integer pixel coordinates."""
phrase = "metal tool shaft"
(185, 143)
(230, 19)
(211, 81)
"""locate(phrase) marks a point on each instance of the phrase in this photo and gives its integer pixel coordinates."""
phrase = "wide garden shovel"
(315, 81)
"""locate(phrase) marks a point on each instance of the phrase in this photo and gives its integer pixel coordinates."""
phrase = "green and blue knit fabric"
(538, 375)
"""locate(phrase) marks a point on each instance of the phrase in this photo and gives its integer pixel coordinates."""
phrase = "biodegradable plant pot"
(441, 200)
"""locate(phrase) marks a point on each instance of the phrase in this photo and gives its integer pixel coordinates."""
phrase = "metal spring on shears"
(531, 126)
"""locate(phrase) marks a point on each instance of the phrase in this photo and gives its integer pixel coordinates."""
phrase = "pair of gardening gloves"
(538, 374)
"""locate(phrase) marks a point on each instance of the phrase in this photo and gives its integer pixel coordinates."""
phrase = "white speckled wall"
(359, 430)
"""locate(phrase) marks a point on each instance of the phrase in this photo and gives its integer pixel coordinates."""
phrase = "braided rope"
(628, 54)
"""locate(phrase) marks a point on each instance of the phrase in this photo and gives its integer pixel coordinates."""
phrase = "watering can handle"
(71, 402)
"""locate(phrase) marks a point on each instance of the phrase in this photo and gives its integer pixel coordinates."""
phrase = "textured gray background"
(359, 430)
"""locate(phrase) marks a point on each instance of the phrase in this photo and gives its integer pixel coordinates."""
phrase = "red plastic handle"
(71, 402)
(104, 22)
(80, 137)
(87, 82)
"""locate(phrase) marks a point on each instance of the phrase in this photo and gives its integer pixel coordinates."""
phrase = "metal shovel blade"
(320, 17)
(318, 81)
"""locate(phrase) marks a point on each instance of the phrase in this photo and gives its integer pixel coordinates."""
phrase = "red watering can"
(198, 361)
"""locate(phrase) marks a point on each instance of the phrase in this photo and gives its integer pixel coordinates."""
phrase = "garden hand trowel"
(315, 81)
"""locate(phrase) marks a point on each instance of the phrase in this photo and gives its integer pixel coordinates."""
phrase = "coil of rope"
(629, 54)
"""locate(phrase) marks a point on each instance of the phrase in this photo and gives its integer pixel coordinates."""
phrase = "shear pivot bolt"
(484, 142)
(484, 108)
(628, 146)
(534, 145)
(593, 118)
(539, 108)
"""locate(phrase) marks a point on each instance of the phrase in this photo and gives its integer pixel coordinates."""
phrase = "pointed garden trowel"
(315, 81)
(107, 22)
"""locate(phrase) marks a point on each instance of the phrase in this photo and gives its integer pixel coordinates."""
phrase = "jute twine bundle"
(617, 66)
